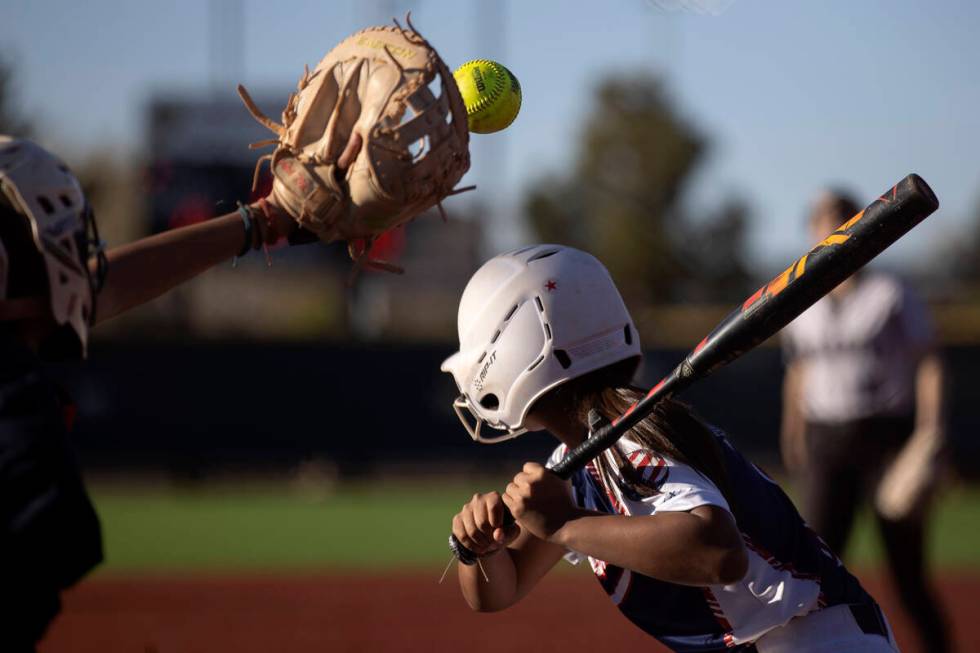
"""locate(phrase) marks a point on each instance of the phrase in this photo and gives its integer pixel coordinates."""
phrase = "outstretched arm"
(147, 268)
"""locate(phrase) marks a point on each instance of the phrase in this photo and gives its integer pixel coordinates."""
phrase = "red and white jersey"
(791, 572)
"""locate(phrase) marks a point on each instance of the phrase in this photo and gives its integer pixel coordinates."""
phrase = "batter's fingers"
(478, 508)
(458, 530)
(506, 535)
(514, 500)
(478, 536)
(468, 543)
(533, 469)
(495, 509)
(465, 540)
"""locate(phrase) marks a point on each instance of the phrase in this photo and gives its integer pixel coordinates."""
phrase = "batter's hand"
(539, 500)
(479, 526)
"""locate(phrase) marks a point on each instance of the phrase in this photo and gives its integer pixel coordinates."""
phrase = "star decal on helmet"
(551, 286)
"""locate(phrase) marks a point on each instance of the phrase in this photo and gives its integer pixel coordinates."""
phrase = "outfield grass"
(382, 526)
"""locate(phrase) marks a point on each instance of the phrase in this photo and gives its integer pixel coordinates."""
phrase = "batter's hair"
(672, 430)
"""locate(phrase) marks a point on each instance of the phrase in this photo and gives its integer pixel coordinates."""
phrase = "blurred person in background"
(863, 417)
(55, 283)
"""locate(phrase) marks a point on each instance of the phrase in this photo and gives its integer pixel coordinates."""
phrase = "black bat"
(768, 310)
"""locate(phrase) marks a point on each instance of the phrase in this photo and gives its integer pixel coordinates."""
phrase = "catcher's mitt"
(368, 100)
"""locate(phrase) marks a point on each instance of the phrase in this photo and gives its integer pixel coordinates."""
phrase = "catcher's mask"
(38, 190)
(530, 320)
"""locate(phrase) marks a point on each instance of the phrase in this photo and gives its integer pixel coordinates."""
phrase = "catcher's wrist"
(248, 223)
(275, 223)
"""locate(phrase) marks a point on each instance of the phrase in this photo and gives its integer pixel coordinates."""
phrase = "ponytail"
(672, 430)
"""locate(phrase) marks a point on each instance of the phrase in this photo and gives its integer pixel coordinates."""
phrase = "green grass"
(954, 536)
(275, 528)
(381, 526)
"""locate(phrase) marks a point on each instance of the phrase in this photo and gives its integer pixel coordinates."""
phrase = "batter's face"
(552, 414)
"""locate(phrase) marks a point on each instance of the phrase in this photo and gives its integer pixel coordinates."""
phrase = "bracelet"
(247, 219)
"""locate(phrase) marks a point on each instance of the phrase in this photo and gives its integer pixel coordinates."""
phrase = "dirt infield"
(341, 613)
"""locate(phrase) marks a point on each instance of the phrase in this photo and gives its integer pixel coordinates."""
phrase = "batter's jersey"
(860, 351)
(791, 572)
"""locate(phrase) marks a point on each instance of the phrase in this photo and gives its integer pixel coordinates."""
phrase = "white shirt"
(860, 352)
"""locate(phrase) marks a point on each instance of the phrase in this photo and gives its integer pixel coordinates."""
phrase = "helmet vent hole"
(482, 356)
(535, 363)
(563, 358)
(45, 204)
(490, 402)
(628, 334)
(522, 250)
(547, 331)
(541, 255)
(510, 313)
(537, 301)
(65, 201)
(493, 338)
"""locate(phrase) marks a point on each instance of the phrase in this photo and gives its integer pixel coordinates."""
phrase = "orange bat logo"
(797, 269)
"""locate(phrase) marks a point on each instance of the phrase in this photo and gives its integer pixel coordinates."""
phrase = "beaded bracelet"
(248, 220)
(249, 223)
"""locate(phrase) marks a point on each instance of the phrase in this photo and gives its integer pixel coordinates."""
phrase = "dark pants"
(49, 533)
(845, 463)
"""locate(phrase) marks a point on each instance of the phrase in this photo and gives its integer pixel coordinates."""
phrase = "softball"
(491, 93)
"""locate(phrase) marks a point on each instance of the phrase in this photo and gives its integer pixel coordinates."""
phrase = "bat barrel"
(779, 302)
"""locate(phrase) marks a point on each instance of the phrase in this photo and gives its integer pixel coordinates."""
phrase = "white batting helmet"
(40, 188)
(530, 320)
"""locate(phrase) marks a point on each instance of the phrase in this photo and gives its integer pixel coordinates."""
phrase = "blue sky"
(792, 95)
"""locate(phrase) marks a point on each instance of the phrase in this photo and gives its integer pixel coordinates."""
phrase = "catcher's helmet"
(45, 211)
(530, 320)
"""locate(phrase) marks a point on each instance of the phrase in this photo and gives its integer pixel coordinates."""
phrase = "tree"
(959, 260)
(621, 200)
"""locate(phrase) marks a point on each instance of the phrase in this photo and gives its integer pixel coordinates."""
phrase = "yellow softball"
(491, 93)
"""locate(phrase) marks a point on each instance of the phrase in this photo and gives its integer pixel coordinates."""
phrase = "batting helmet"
(530, 320)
